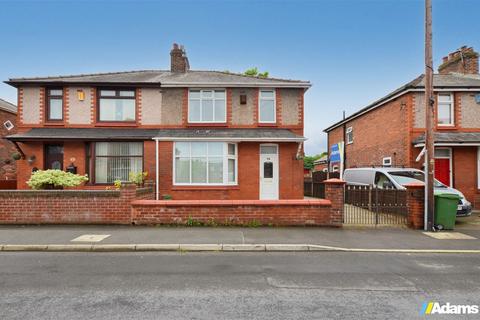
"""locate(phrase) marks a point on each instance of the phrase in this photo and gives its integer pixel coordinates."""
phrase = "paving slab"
(379, 238)
(243, 247)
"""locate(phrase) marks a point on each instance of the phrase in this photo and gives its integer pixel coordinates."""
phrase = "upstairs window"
(207, 106)
(445, 110)
(349, 135)
(55, 104)
(266, 106)
(116, 105)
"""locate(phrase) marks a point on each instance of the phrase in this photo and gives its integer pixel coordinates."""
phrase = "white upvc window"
(349, 135)
(207, 106)
(205, 163)
(387, 161)
(445, 110)
(267, 111)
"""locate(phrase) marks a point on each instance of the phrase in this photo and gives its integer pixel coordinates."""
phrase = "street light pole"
(429, 119)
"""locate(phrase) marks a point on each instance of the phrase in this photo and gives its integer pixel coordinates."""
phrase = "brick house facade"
(8, 117)
(391, 130)
(198, 134)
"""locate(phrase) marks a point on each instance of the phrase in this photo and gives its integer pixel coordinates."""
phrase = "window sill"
(207, 124)
(51, 123)
(223, 187)
(116, 124)
(446, 127)
(266, 124)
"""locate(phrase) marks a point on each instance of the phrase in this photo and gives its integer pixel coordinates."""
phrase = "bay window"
(445, 110)
(207, 106)
(115, 160)
(205, 163)
(266, 107)
(116, 105)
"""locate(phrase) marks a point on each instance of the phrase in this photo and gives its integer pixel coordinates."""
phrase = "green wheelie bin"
(446, 210)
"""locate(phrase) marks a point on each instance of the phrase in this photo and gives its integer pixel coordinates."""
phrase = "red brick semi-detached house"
(390, 131)
(8, 117)
(199, 134)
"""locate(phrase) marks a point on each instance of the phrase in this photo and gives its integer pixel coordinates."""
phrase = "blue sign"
(335, 155)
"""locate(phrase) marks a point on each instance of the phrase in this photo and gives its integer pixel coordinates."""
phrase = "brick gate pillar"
(415, 205)
(335, 192)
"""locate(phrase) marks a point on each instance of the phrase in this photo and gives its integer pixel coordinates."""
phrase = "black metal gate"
(366, 205)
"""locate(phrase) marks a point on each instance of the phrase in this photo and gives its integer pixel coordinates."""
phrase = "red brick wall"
(290, 170)
(299, 212)
(69, 206)
(240, 212)
(131, 205)
(465, 173)
(415, 205)
(377, 134)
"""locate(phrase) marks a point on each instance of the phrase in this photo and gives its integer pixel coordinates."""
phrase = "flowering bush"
(43, 179)
(137, 177)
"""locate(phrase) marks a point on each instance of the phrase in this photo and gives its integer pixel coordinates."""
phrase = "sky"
(353, 52)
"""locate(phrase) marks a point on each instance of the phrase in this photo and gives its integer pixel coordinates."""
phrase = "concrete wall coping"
(60, 193)
(334, 181)
(209, 203)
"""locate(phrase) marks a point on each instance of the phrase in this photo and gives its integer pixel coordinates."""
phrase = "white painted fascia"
(230, 139)
(450, 144)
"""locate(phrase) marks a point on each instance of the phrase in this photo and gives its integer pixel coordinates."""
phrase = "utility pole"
(429, 119)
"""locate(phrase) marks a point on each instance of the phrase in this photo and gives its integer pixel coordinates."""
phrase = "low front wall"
(237, 212)
(131, 205)
(69, 206)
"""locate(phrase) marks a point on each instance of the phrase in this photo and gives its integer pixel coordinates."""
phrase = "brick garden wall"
(235, 212)
(70, 206)
(131, 205)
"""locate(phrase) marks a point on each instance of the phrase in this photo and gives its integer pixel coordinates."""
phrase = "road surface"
(323, 285)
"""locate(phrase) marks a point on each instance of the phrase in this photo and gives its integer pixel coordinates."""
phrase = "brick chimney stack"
(178, 59)
(464, 60)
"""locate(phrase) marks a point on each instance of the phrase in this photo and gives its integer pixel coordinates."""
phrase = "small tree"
(253, 72)
(309, 160)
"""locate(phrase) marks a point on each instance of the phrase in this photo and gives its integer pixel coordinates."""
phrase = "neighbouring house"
(8, 118)
(198, 134)
(390, 131)
(321, 164)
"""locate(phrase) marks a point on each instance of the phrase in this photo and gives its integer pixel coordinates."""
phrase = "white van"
(384, 178)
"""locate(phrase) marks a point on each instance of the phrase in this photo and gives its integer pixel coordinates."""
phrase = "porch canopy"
(123, 134)
(267, 135)
(453, 139)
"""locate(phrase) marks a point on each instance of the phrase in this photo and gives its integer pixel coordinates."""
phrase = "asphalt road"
(323, 285)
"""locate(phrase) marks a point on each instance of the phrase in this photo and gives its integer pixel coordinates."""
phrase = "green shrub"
(43, 179)
(137, 177)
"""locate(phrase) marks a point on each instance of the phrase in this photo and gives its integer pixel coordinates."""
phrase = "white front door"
(268, 172)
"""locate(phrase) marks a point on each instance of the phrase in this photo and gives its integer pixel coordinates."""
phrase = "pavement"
(217, 285)
(142, 238)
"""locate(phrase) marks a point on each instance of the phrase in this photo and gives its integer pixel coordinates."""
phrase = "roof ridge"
(3, 100)
(87, 74)
(247, 76)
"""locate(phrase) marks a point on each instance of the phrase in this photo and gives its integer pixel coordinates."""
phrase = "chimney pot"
(178, 59)
(463, 60)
